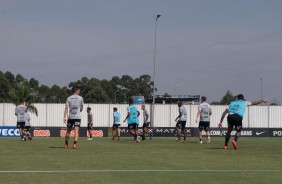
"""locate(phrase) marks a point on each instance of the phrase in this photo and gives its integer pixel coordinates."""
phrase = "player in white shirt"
(181, 121)
(89, 123)
(146, 123)
(204, 112)
(20, 113)
(72, 115)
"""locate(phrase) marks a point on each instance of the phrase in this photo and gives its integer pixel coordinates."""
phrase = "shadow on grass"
(62, 147)
(215, 148)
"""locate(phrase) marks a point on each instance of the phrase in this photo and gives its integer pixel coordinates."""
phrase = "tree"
(43, 94)
(11, 78)
(5, 87)
(22, 93)
(227, 98)
(19, 80)
(144, 85)
(215, 103)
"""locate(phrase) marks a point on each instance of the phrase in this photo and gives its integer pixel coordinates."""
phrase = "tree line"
(117, 90)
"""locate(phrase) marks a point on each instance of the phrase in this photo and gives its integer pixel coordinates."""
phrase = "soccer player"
(116, 124)
(146, 123)
(89, 123)
(27, 126)
(72, 115)
(20, 111)
(204, 112)
(181, 121)
(132, 115)
(236, 111)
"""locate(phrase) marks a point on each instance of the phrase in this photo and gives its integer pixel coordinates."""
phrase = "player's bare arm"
(259, 102)
(222, 118)
(66, 114)
(198, 115)
(180, 114)
(128, 114)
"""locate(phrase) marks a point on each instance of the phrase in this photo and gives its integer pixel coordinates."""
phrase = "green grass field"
(162, 160)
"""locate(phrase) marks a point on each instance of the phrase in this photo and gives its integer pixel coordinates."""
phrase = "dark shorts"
(73, 122)
(146, 125)
(115, 126)
(132, 126)
(89, 126)
(20, 124)
(27, 128)
(234, 120)
(204, 125)
(181, 124)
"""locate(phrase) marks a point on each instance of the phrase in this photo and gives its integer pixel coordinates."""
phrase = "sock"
(236, 138)
(67, 142)
(74, 142)
(209, 137)
(227, 140)
(200, 140)
(227, 137)
(91, 135)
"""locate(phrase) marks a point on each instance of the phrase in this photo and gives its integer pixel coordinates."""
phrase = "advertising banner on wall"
(61, 132)
(10, 131)
(215, 132)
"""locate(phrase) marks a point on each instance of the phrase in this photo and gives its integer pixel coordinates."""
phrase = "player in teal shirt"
(132, 119)
(116, 124)
(236, 111)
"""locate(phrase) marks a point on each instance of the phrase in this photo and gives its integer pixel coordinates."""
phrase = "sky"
(202, 47)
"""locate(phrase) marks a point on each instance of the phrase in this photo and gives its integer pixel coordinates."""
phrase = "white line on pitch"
(82, 171)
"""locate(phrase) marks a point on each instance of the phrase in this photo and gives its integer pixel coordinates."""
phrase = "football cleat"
(74, 146)
(234, 144)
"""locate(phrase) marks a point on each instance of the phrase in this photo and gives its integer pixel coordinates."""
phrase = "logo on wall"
(277, 133)
(41, 133)
(96, 133)
(9, 131)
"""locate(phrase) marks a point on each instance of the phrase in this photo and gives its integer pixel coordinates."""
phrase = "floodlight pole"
(260, 88)
(154, 74)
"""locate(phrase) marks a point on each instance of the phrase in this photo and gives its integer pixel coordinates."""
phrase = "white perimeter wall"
(52, 115)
